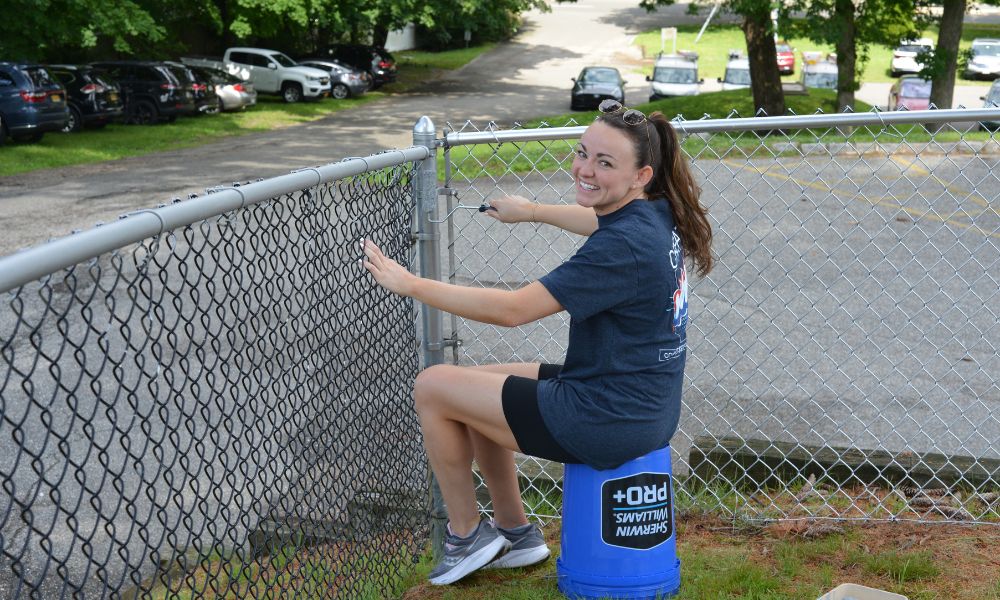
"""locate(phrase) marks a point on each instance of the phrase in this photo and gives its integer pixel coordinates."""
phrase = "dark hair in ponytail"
(672, 179)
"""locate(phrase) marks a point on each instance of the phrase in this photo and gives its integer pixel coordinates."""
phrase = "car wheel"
(74, 122)
(143, 112)
(291, 92)
(340, 91)
(222, 106)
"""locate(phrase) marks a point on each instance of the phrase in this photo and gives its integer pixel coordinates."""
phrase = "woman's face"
(604, 170)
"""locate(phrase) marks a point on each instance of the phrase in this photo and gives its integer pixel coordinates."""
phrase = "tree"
(941, 66)
(70, 30)
(852, 26)
(758, 29)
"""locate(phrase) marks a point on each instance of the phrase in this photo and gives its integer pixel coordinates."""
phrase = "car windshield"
(915, 88)
(820, 80)
(283, 60)
(986, 50)
(599, 76)
(737, 76)
(914, 48)
(782, 47)
(675, 75)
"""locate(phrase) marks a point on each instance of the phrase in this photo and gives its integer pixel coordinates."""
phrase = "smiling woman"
(618, 394)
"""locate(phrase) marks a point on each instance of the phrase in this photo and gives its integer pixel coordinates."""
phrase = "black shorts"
(520, 407)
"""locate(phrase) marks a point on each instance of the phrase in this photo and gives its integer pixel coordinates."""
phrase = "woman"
(618, 395)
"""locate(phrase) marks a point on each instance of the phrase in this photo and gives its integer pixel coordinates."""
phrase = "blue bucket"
(618, 538)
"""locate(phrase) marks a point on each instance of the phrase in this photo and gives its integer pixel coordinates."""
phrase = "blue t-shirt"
(619, 393)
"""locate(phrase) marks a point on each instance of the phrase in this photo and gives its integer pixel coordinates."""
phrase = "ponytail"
(672, 178)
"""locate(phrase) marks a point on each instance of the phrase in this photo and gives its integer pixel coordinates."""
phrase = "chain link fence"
(843, 355)
(212, 400)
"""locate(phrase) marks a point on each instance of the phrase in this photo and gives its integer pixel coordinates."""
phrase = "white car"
(737, 74)
(904, 57)
(674, 75)
(985, 59)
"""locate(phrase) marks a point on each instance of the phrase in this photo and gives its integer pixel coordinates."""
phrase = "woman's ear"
(643, 176)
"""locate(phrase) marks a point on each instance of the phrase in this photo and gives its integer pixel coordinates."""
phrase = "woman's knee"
(428, 385)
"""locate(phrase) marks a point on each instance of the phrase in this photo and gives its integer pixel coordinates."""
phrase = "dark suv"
(205, 98)
(31, 102)
(94, 99)
(374, 60)
(153, 91)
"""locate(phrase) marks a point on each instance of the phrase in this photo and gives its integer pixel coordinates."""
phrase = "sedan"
(786, 57)
(595, 84)
(346, 81)
(910, 92)
(233, 93)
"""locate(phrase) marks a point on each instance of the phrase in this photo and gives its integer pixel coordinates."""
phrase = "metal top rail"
(30, 264)
(865, 119)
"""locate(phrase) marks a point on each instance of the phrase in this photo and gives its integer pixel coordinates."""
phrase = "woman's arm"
(496, 307)
(571, 217)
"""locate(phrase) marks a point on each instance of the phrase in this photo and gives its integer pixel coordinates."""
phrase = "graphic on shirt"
(680, 299)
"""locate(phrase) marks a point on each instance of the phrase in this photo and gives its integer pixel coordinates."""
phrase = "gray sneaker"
(527, 547)
(465, 555)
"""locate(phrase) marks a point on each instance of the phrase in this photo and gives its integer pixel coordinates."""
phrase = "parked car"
(93, 97)
(271, 72)
(991, 100)
(345, 80)
(675, 75)
(910, 92)
(786, 57)
(232, 92)
(153, 91)
(202, 88)
(984, 59)
(819, 73)
(904, 57)
(595, 84)
(374, 60)
(737, 74)
(32, 102)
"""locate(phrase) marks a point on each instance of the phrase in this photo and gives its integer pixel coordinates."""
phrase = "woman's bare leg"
(496, 463)
(461, 411)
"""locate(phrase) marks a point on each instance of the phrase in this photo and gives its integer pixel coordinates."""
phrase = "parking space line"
(863, 198)
(921, 171)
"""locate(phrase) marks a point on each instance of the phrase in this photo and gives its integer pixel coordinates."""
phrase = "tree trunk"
(847, 54)
(380, 35)
(765, 81)
(228, 40)
(946, 53)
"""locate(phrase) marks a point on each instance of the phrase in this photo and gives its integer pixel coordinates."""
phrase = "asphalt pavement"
(524, 78)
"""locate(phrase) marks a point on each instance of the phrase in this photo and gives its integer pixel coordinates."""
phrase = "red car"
(910, 92)
(786, 57)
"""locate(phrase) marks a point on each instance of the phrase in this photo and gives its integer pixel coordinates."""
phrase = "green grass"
(114, 142)
(714, 46)
(122, 141)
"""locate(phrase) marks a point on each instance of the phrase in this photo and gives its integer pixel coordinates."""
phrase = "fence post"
(429, 250)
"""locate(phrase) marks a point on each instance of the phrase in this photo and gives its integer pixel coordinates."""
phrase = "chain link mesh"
(843, 355)
(221, 411)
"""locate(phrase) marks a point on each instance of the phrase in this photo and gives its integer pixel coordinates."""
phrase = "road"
(524, 78)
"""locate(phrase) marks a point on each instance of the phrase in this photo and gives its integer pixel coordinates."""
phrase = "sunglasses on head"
(631, 116)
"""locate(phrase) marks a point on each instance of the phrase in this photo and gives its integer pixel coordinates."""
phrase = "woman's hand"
(387, 272)
(512, 209)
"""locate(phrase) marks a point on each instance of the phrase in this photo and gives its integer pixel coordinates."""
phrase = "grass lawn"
(714, 46)
(121, 141)
(782, 561)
